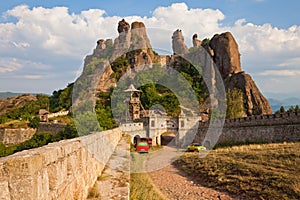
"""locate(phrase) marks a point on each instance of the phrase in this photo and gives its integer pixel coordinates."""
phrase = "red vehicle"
(142, 147)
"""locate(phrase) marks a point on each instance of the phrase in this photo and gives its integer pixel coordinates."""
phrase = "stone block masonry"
(61, 170)
(15, 136)
(263, 128)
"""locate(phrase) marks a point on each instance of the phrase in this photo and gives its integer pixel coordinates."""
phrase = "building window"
(152, 123)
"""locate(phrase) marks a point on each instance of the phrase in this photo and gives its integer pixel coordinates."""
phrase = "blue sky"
(43, 43)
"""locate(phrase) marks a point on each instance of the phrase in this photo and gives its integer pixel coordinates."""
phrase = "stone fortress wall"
(263, 128)
(16, 136)
(61, 170)
(13, 136)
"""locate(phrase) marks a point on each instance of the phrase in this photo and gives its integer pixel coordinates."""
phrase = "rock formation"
(196, 41)
(227, 58)
(226, 54)
(140, 50)
(255, 102)
(123, 26)
(132, 45)
(15, 102)
(178, 44)
(133, 50)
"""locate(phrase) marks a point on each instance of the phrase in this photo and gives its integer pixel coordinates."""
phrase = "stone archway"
(135, 139)
(167, 137)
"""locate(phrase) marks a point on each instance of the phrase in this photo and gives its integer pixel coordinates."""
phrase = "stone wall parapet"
(60, 170)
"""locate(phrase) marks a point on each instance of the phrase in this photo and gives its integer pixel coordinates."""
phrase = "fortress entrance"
(167, 137)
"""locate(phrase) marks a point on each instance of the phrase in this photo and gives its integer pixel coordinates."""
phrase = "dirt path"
(174, 184)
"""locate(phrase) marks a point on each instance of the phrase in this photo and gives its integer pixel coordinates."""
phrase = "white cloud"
(280, 73)
(290, 62)
(29, 76)
(16, 66)
(7, 66)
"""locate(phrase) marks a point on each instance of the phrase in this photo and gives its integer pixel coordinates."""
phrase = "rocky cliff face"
(226, 54)
(224, 50)
(15, 102)
(178, 45)
(133, 47)
(255, 102)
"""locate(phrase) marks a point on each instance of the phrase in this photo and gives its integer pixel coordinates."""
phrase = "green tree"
(34, 122)
(282, 109)
(69, 132)
(235, 104)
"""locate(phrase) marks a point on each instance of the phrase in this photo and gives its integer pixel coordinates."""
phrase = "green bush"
(38, 140)
(34, 122)
(69, 132)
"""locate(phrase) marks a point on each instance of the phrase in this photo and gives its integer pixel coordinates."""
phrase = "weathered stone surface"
(178, 45)
(15, 102)
(196, 41)
(226, 54)
(61, 170)
(4, 194)
(51, 128)
(265, 128)
(123, 41)
(256, 103)
(139, 38)
(123, 26)
(106, 80)
(101, 44)
(15, 136)
(140, 49)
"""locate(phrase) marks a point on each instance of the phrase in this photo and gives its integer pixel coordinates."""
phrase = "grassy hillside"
(269, 171)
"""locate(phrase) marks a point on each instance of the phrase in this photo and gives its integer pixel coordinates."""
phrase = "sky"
(43, 43)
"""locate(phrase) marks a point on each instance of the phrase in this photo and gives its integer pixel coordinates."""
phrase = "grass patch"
(66, 119)
(141, 187)
(267, 171)
(15, 124)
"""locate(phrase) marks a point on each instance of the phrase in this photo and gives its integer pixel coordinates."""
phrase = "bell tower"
(134, 102)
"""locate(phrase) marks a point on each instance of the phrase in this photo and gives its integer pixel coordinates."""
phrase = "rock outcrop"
(15, 102)
(132, 46)
(226, 54)
(196, 41)
(178, 45)
(255, 102)
(131, 52)
(123, 26)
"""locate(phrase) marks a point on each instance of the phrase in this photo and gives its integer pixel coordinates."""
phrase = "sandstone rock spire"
(226, 54)
(196, 41)
(178, 44)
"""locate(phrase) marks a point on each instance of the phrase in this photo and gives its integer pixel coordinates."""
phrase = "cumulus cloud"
(280, 73)
(9, 65)
(61, 39)
(12, 66)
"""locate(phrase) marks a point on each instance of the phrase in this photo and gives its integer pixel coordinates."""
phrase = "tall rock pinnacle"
(178, 44)
(226, 54)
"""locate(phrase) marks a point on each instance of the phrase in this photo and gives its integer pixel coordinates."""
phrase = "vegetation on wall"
(235, 104)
